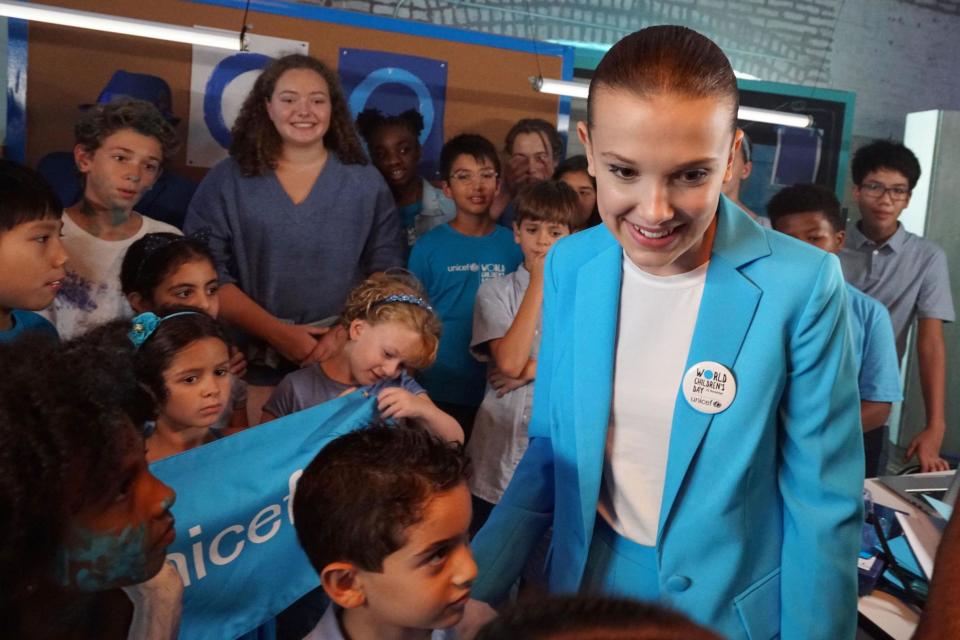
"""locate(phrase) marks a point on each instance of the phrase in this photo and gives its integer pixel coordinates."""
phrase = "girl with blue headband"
(183, 358)
(391, 330)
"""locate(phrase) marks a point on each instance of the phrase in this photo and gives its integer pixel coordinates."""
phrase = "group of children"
(451, 352)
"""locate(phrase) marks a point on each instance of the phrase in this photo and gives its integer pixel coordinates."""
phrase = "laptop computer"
(912, 488)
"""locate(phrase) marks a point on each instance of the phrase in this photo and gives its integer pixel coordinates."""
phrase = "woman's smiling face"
(660, 161)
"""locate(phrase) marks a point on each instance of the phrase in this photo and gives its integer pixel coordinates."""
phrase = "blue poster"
(394, 83)
(236, 548)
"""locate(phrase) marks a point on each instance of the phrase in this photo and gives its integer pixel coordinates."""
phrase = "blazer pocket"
(759, 607)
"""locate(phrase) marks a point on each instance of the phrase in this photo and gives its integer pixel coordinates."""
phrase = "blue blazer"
(761, 513)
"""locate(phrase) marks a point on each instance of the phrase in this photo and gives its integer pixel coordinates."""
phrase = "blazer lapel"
(727, 309)
(596, 312)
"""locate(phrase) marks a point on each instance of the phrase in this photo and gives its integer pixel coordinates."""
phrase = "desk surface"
(882, 609)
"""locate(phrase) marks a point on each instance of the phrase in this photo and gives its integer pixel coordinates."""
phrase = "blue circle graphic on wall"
(394, 75)
(223, 74)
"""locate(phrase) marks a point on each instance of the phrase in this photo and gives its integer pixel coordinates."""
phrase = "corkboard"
(487, 83)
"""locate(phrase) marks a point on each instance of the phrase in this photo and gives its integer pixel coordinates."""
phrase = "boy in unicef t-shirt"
(452, 261)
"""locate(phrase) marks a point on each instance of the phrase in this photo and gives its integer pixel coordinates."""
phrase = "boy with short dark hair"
(905, 272)
(452, 260)
(811, 213)
(31, 255)
(506, 334)
(120, 150)
(383, 515)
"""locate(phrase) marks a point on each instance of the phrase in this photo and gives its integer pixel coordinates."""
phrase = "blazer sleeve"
(525, 511)
(821, 470)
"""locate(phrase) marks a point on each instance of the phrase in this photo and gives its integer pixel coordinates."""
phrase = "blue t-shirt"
(409, 213)
(28, 322)
(451, 267)
(874, 348)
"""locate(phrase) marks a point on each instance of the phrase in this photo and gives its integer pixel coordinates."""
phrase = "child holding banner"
(383, 515)
(163, 270)
(86, 524)
(390, 327)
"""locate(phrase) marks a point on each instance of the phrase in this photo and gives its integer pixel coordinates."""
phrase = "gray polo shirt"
(907, 273)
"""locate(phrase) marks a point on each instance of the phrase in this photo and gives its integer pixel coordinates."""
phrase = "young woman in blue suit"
(695, 436)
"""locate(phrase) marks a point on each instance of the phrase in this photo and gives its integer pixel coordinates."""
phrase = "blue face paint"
(100, 560)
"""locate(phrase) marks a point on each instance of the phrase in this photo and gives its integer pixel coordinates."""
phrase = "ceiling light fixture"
(575, 89)
(216, 38)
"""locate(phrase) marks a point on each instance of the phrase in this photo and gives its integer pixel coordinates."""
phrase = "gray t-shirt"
(499, 437)
(310, 386)
(907, 273)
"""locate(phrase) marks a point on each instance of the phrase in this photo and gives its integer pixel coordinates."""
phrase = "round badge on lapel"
(709, 387)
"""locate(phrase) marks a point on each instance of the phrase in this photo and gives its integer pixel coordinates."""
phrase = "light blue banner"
(236, 548)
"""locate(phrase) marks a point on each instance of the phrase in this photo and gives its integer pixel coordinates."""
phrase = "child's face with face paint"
(121, 539)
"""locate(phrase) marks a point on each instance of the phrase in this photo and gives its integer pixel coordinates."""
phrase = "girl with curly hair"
(394, 145)
(296, 217)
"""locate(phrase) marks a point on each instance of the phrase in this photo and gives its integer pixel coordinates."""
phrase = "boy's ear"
(138, 303)
(343, 585)
(445, 185)
(83, 158)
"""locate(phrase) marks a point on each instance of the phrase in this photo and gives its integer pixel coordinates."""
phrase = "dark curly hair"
(806, 198)
(365, 489)
(103, 120)
(885, 154)
(154, 257)
(369, 121)
(256, 145)
(68, 417)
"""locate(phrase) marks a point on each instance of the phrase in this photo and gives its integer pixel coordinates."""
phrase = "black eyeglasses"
(877, 191)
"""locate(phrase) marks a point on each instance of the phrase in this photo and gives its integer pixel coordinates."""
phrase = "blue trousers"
(617, 566)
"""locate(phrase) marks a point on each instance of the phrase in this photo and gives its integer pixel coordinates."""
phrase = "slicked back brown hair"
(256, 145)
(667, 59)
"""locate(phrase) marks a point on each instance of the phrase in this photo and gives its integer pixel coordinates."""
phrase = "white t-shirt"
(656, 322)
(91, 295)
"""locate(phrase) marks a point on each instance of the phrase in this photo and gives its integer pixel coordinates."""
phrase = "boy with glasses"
(452, 260)
(906, 273)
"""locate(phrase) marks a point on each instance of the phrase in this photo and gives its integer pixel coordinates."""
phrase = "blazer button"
(678, 583)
